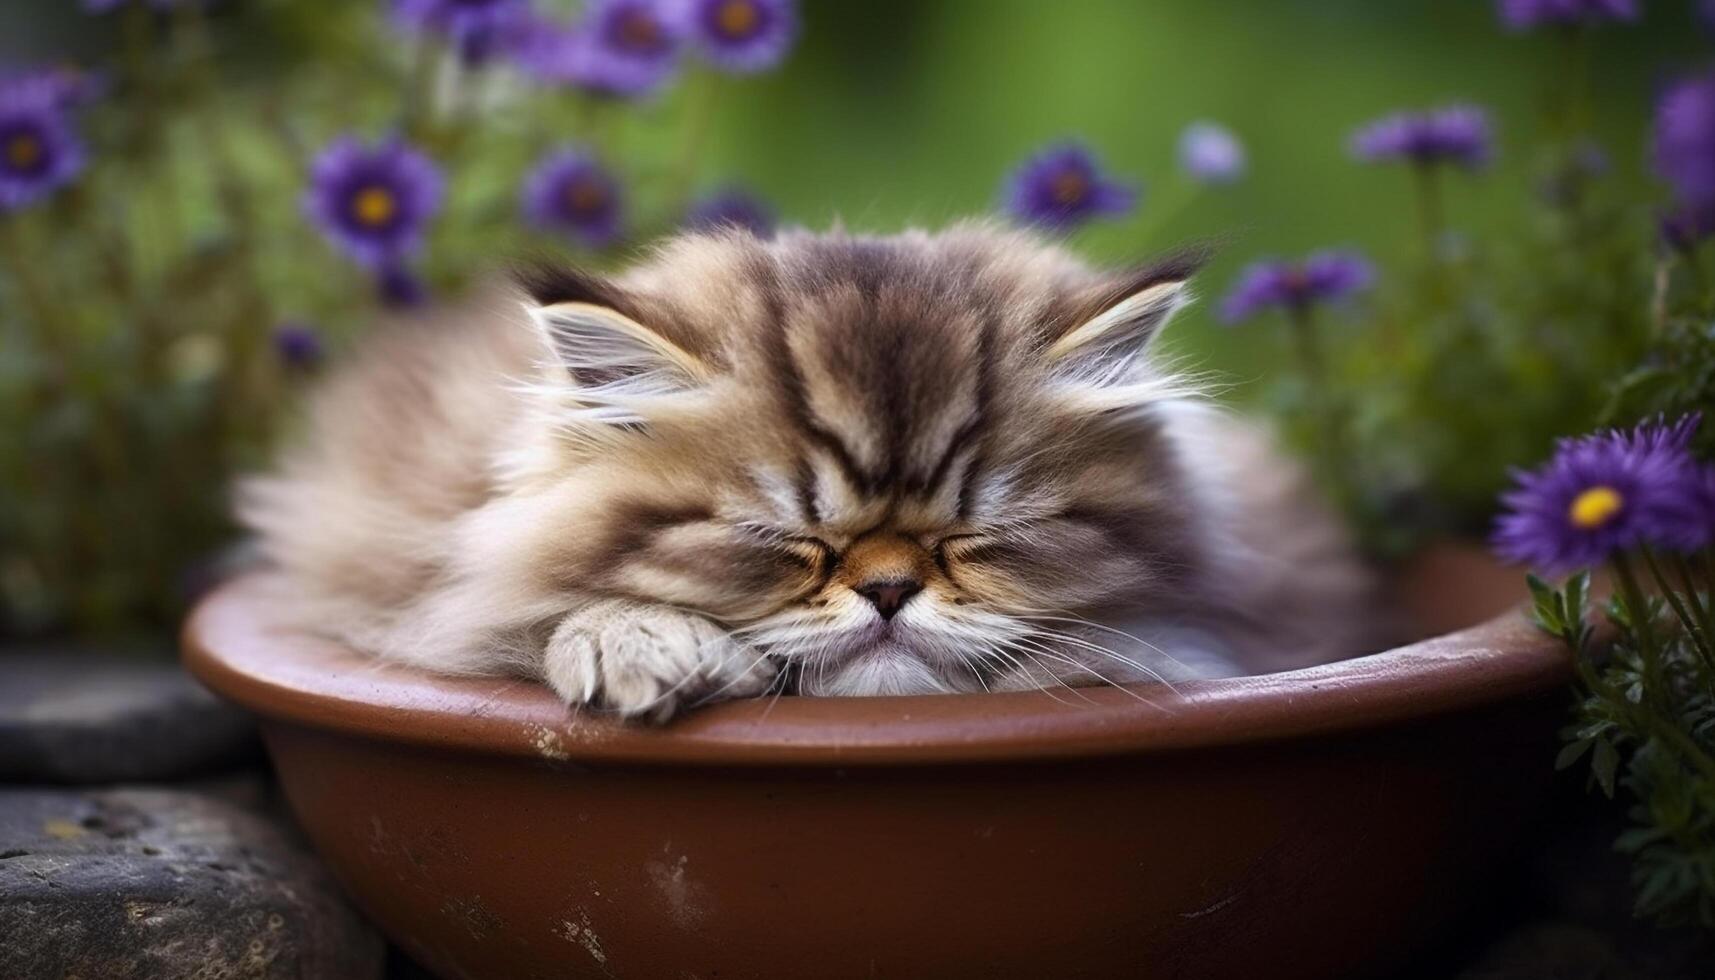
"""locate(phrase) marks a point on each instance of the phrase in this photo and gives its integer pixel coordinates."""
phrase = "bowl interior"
(290, 676)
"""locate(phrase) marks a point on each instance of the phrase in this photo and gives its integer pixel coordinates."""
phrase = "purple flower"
(65, 86)
(299, 344)
(103, 6)
(1062, 187)
(1524, 14)
(1211, 153)
(1686, 227)
(623, 48)
(1604, 494)
(1705, 501)
(1685, 139)
(731, 207)
(571, 193)
(475, 27)
(743, 36)
(39, 152)
(373, 202)
(1296, 286)
(1452, 134)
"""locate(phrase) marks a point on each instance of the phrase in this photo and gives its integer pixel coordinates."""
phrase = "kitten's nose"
(887, 597)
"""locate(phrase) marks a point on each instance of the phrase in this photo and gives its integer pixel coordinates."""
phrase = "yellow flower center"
(585, 195)
(23, 150)
(374, 206)
(1069, 188)
(1595, 507)
(737, 18)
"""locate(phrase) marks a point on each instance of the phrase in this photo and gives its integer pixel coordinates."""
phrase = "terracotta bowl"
(1317, 823)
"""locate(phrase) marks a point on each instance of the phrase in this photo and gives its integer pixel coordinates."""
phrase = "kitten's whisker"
(1053, 674)
(1080, 665)
(1081, 642)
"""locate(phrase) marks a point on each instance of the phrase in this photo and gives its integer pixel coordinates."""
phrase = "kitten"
(848, 465)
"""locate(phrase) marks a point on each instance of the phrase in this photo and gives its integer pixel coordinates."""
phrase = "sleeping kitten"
(848, 465)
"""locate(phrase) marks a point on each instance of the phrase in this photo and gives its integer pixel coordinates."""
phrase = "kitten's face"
(898, 465)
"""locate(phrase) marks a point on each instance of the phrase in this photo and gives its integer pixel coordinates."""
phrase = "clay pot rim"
(304, 680)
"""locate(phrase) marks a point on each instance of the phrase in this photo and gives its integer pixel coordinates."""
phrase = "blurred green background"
(893, 112)
(886, 114)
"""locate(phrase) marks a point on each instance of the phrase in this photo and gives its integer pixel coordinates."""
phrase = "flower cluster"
(40, 151)
(1526, 14)
(477, 28)
(1454, 134)
(1063, 186)
(1210, 153)
(1607, 494)
(632, 48)
(374, 203)
(1297, 286)
(1685, 157)
(732, 206)
(572, 194)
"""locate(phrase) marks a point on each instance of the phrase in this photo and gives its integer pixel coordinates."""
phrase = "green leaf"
(1572, 753)
(1604, 764)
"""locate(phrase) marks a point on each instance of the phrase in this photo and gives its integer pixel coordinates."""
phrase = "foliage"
(1645, 718)
(166, 294)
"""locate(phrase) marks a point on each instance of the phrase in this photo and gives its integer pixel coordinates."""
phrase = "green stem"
(1673, 734)
(1165, 208)
(55, 338)
(702, 97)
(1643, 623)
(249, 383)
(1693, 623)
(1427, 179)
(419, 87)
(1329, 420)
(1580, 44)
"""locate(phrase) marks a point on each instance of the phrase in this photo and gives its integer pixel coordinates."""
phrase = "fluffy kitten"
(852, 465)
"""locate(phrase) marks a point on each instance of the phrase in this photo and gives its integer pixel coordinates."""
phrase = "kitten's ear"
(590, 327)
(1101, 359)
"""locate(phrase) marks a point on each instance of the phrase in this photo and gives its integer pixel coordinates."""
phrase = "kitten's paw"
(649, 662)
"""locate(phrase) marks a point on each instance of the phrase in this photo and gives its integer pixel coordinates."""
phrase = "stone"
(68, 717)
(144, 883)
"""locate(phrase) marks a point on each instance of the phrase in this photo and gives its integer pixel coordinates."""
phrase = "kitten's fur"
(720, 469)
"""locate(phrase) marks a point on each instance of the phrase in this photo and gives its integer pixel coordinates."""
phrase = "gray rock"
(137, 884)
(73, 718)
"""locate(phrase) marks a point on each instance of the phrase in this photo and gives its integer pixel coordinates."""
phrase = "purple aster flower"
(1453, 134)
(474, 27)
(373, 202)
(732, 207)
(743, 36)
(65, 86)
(299, 344)
(1685, 139)
(1297, 286)
(1211, 153)
(1604, 494)
(103, 6)
(1524, 14)
(622, 48)
(1705, 483)
(39, 152)
(1062, 187)
(1686, 227)
(571, 193)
